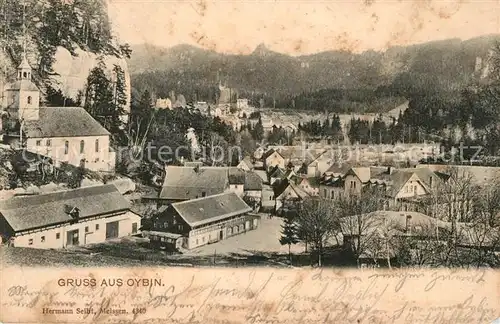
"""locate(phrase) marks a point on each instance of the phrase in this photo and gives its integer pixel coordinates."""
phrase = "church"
(65, 134)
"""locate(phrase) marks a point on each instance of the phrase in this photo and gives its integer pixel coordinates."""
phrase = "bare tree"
(317, 220)
(356, 221)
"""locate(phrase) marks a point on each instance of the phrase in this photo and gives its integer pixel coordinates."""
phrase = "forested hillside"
(337, 81)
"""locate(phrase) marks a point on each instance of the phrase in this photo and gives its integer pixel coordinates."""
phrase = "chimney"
(408, 224)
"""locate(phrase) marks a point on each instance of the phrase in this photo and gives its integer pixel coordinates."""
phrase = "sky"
(300, 27)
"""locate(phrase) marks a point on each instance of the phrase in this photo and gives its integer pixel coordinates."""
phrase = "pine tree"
(258, 131)
(289, 234)
(100, 100)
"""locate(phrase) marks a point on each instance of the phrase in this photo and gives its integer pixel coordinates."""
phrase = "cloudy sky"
(301, 27)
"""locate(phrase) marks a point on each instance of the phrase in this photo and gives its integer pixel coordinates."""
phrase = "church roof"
(24, 63)
(24, 84)
(63, 122)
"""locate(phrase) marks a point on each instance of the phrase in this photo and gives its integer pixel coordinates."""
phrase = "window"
(39, 143)
(86, 229)
(25, 75)
(324, 193)
(174, 221)
(82, 146)
(58, 236)
(96, 227)
(203, 193)
(48, 143)
(430, 182)
(196, 241)
(203, 239)
(134, 228)
(66, 147)
(165, 224)
(42, 239)
(97, 145)
(29, 100)
(30, 242)
(180, 227)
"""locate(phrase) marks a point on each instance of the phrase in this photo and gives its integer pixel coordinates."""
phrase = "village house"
(204, 220)
(65, 134)
(309, 185)
(377, 236)
(184, 183)
(246, 164)
(252, 190)
(67, 218)
(401, 186)
(287, 194)
(273, 159)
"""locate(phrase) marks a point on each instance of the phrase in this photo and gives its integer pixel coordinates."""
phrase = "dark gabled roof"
(269, 153)
(252, 181)
(180, 181)
(35, 211)
(313, 182)
(236, 176)
(63, 122)
(277, 172)
(200, 211)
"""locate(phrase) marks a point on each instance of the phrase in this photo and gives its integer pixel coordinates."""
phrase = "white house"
(65, 134)
(67, 218)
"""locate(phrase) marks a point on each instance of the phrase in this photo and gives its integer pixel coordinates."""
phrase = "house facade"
(273, 159)
(206, 220)
(65, 134)
(68, 218)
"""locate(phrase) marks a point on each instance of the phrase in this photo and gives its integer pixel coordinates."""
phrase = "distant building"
(65, 134)
(163, 103)
(242, 103)
(205, 220)
(67, 218)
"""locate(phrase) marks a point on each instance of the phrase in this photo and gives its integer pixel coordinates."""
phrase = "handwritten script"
(257, 296)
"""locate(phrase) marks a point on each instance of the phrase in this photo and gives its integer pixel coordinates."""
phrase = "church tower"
(22, 98)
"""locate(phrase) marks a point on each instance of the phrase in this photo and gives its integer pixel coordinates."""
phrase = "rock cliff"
(72, 71)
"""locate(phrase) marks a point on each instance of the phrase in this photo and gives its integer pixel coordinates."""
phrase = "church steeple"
(24, 69)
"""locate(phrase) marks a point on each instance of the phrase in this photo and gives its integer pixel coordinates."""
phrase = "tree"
(289, 233)
(356, 221)
(100, 100)
(317, 220)
(258, 131)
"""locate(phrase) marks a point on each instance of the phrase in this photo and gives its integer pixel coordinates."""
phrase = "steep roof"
(200, 211)
(236, 176)
(24, 84)
(252, 181)
(34, 211)
(63, 122)
(180, 180)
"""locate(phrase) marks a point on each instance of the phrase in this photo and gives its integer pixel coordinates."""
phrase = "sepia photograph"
(167, 161)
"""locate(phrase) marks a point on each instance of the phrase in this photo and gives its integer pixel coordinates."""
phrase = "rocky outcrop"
(72, 71)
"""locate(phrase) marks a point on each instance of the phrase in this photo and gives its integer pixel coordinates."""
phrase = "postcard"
(166, 161)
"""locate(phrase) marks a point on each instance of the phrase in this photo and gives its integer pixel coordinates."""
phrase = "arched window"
(82, 146)
(25, 75)
(97, 145)
(29, 100)
(66, 147)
